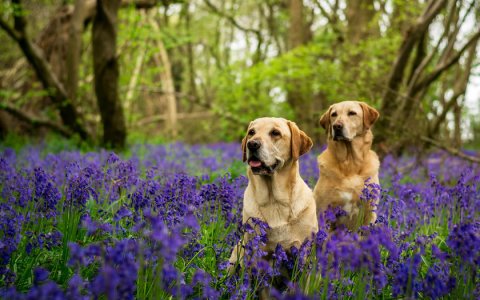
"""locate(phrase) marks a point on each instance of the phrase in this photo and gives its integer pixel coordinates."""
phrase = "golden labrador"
(276, 194)
(348, 162)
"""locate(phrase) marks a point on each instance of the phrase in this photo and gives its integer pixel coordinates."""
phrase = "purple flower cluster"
(162, 222)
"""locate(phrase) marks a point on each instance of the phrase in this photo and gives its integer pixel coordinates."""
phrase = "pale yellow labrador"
(348, 162)
(276, 194)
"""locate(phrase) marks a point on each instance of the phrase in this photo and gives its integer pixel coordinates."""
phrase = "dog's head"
(348, 119)
(271, 142)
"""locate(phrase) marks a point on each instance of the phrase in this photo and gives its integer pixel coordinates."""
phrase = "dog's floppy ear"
(244, 145)
(244, 149)
(301, 142)
(325, 118)
(370, 115)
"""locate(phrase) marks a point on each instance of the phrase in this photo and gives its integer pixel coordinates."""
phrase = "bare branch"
(420, 67)
(272, 26)
(42, 69)
(428, 79)
(34, 122)
(231, 19)
(9, 30)
(458, 89)
(324, 11)
(432, 10)
(450, 150)
(331, 18)
(19, 22)
(234, 22)
(452, 37)
(413, 34)
(140, 4)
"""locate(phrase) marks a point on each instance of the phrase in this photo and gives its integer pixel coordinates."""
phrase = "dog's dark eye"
(352, 113)
(334, 114)
(275, 133)
(251, 132)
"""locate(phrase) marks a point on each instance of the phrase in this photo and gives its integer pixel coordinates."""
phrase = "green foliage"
(261, 89)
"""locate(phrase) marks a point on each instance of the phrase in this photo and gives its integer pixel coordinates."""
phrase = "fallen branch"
(217, 110)
(450, 150)
(180, 116)
(34, 122)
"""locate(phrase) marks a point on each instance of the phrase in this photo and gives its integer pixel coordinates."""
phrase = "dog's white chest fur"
(349, 206)
(334, 188)
(290, 214)
(346, 196)
(266, 207)
(277, 213)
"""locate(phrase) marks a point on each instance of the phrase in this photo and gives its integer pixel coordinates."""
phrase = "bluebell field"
(161, 221)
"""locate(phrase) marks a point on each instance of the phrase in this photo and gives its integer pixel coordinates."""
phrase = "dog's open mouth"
(259, 167)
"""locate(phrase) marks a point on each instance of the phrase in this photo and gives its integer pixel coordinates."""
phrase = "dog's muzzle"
(258, 167)
(338, 136)
(338, 133)
(256, 164)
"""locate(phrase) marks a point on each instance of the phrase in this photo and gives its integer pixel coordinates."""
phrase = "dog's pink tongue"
(254, 163)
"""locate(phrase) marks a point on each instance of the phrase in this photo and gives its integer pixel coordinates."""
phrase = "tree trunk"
(132, 85)
(105, 64)
(168, 85)
(402, 15)
(190, 59)
(296, 29)
(298, 89)
(82, 10)
(457, 128)
(391, 100)
(3, 126)
(360, 14)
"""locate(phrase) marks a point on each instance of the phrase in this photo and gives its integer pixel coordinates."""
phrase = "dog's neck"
(350, 155)
(276, 188)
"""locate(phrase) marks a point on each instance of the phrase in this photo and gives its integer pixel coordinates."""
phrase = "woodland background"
(111, 72)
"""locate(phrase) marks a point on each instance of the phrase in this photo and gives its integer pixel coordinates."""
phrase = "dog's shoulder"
(325, 157)
(372, 163)
(326, 162)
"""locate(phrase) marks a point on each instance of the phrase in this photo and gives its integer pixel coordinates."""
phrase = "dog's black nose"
(338, 126)
(253, 145)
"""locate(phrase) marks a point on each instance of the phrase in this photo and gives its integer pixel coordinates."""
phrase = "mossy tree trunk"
(105, 64)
